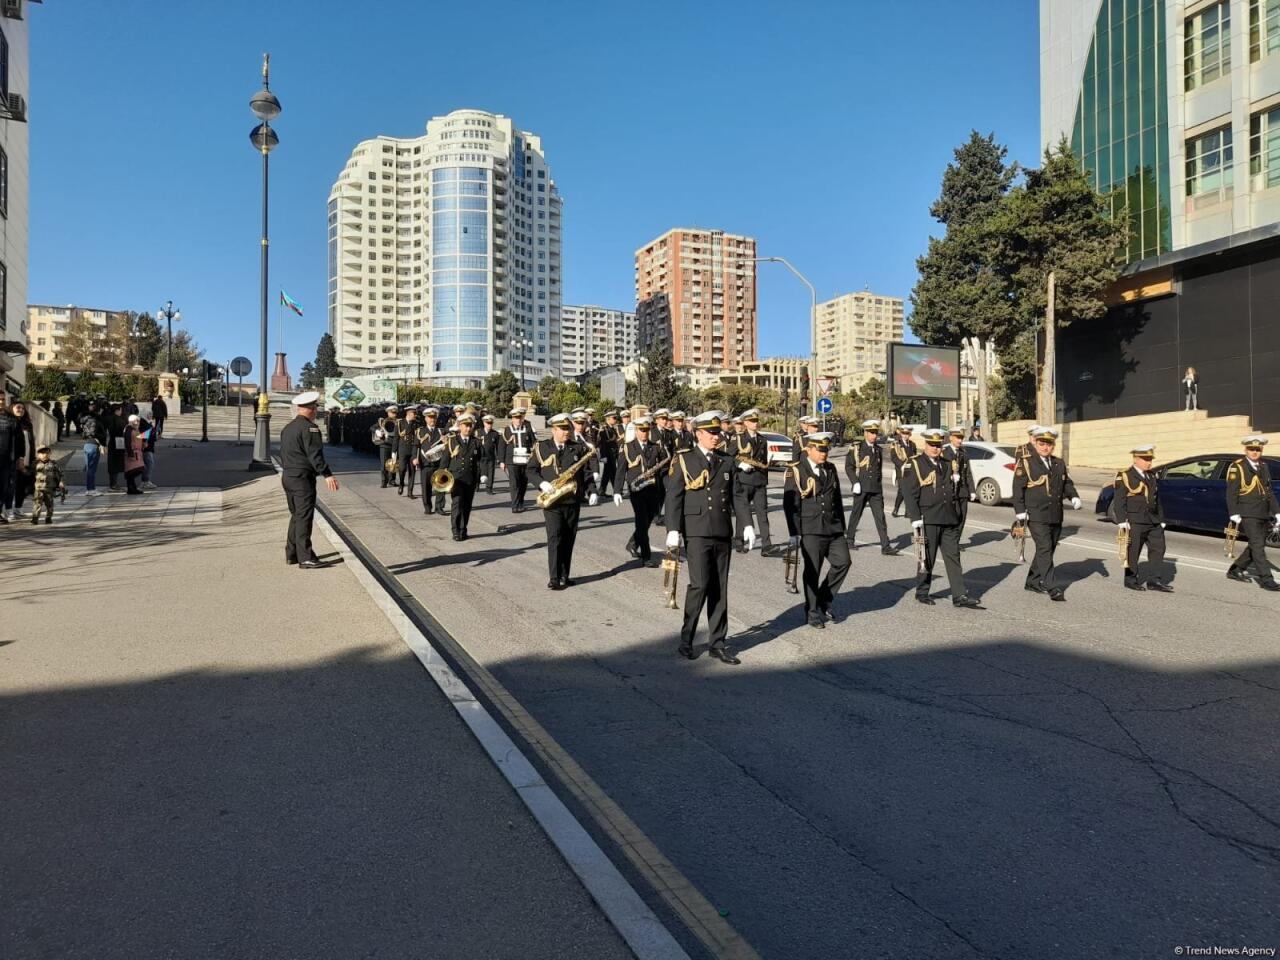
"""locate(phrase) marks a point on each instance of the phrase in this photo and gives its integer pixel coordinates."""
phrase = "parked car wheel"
(989, 493)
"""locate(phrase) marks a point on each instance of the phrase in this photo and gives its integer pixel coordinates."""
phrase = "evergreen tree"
(308, 378)
(186, 352)
(326, 364)
(148, 341)
(499, 390)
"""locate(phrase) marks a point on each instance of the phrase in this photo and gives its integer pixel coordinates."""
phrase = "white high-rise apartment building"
(444, 254)
(592, 337)
(853, 330)
(14, 177)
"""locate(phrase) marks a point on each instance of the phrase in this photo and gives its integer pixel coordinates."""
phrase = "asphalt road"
(1092, 778)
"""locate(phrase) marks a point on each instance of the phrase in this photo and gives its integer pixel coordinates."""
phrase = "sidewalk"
(209, 754)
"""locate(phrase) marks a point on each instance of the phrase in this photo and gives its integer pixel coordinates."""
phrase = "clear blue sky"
(820, 128)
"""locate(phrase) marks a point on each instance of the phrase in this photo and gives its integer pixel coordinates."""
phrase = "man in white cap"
(1028, 447)
(1136, 508)
(931, 496)
(301, 461)
(407, 450)
(429, 437)
(901, 449)
(864, 466)
(490, 441)
(384, 438)
(639, 457)
(701, 509)
(1251, 504)
(814, 510)
(518, 440)
(1040, 486)
(551, 458)
(462, 459)
(751, 451)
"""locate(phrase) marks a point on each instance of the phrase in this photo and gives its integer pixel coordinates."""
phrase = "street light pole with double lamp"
(813, 321)
(266, 107)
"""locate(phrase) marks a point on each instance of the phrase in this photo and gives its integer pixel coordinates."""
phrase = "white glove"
(545, 487)
(1162, 526)
(617, 499)
(1235, 518)
(1278, 518)
(795, 541)
(745, 467)
(916, 525)
(1019, 516)
(973, 498)
(857, 489)
(673, 539)
(595, 477)
(1075, 503)
(484, 479)
(749, 537)
(1124, 525)
(593, 500)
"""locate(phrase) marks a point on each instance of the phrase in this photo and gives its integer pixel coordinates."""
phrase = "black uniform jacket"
(928, 492)
(546, 464)
(864, 464)
(407, 440)
(512, 438)
(490, 444)
(812, 504)
(638, 457)
(700, 501)
(754, 448)
(902, 451)
(1038, 492)
(462, 458)
(950, 454)
(1249, 491)
(302, 450)
(1137, 498)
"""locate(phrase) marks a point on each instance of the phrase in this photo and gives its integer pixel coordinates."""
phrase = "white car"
(779, 449)
(993, 465)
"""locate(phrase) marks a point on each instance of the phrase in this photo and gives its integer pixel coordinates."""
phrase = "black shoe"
(427, 511)
(651, 562)
(1133, 583)
(895, 514)
(634, 551)
(1057, 596)
(413, 496)
(48, 520)
(1159, 586)
(565, 581)
(34, 521)
(384, 485)
(457, 537)
(818, 623)
(773, 550)
(1035, 587)
(1269, 585)
(688, 653)
(1235, 573)
(889, 551)
(966, 602)
(555, 585)
(3, 519)
(724, 656)
(924, 598)
(309, 565)
(400, 491)
(829, 616)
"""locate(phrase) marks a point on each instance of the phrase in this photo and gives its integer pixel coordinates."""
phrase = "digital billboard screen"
(921, 372)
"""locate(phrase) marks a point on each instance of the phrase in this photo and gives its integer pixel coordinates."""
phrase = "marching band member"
(518, 440)
(901, 449)
(428, 437)
(1040, 485)
(1136, 508)
(814, 510)
(1028, 447)
(581, 421)
(954, 454)
(752, 487)
(640, 455)
(1251, 502)
(549, 459)
(700, 508)
(384, 436)
(407, 450)
(931, 499)
(462, 459)
(864, 466)
(490, 444)
(609, 442)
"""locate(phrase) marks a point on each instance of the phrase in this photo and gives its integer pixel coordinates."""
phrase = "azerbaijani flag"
(292, 304)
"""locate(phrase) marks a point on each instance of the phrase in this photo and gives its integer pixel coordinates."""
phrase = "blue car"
(1193, 492)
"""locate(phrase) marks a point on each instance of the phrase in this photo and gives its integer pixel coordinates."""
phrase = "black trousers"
(1045, 537)
(388, 476)
(644, 507)
(608, 475)
(461, 498)
(407, 467)
(562, 530)
(815, 549)
(962, 508)
(518, 482)
(707, 561)
(1152, 536)
(1254, 554)
(944, 539)
(876, 502)
(755, 504)
(300, 493)
(897, 486)
(487, 467)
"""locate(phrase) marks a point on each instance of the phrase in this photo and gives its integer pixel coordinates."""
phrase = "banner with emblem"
(348, 392)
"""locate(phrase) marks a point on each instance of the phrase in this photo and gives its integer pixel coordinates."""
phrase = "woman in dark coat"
(115, 424)
(24, 458)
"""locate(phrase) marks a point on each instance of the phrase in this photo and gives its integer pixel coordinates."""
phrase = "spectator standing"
(133, 463)
(60, 417)
(115, 424)
(1191, 390)
(94, 433)
(8, 428)
(148, 453)
(24, 458)
(159, 411)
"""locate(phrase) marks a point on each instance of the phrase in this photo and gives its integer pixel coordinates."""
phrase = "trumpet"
(1019, 533)
(671, 576)
(918, 540)
(1122, 545)
(791, 568)
(442, 481)
(1232, 533)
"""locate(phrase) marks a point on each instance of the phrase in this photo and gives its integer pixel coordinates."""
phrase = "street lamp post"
(266, 107)
(813, 321)
(522, 343)
(169, 315)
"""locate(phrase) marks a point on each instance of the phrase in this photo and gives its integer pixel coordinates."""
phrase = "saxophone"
(646, 479)
(565, 485)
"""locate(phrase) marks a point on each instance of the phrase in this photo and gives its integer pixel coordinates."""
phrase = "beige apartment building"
(773, 373)
(853, 331)
(696, 292)
(48, 325)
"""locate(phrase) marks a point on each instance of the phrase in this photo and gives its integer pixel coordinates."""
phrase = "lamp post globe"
(264, 138)
(266, 107)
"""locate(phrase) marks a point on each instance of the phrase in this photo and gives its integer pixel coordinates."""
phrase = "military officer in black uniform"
(901, 449)
(662, 431)
(583, 434)
(1251, 503)
(752, 487)
(518, 440)
(490, 443)
(700, 509)
(1040, 485)
(954, 454)
(637, 457)
(683, 435)
(429, 437)
(1136, 508)
(301, 461)
(384, 438)
(1028, 447)
(609, 443)
(407, 450)
(931, 498)
(864, 466)
(462, 458)
(814, 509)
(804, 426)
(548, 460)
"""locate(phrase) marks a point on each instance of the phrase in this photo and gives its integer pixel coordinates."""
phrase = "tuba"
(442, 481)
(565, 485)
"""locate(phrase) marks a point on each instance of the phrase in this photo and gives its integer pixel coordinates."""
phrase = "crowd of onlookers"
(113, 433)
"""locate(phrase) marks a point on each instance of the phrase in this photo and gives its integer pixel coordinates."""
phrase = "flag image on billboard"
(921, 372)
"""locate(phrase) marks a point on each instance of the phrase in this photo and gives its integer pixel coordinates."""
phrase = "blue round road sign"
(824, 404)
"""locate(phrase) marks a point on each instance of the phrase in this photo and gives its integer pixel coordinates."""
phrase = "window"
(1264, 28)
(1209, 161)
(1207, 47)
(1264, 150)
(1195, 470)
(4, 184)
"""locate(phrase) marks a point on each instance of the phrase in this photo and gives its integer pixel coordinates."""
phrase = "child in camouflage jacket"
(48, 483)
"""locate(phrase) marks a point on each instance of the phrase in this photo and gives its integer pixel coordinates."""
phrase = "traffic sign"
(825, 384)
(824, 405)
(241, 366)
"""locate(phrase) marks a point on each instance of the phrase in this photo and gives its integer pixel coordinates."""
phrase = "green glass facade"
(1122, 120)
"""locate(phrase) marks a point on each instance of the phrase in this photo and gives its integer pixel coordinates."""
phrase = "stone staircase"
(222, 423)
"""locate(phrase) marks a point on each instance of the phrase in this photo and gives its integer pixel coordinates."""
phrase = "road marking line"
(635, 922)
